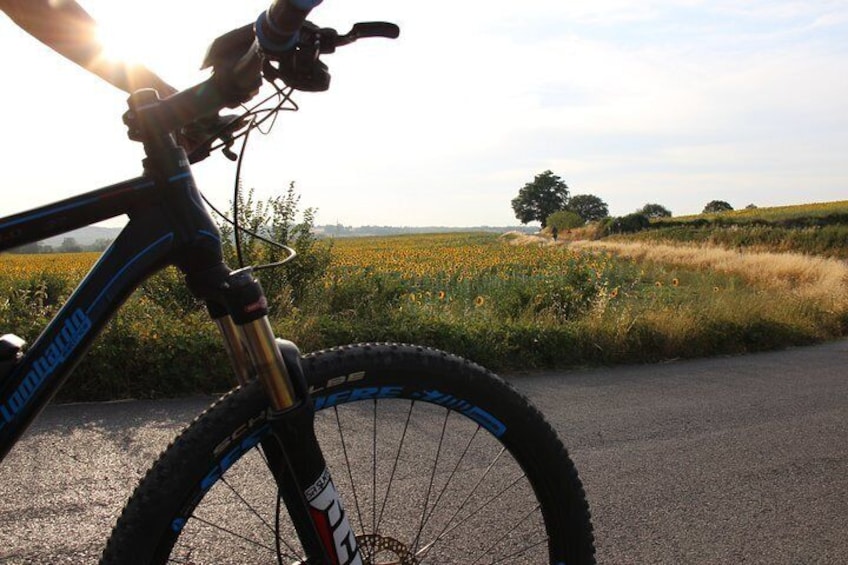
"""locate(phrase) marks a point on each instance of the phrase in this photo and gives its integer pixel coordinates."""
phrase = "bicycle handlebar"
(278, 28)
(148, 113)
(281, 35)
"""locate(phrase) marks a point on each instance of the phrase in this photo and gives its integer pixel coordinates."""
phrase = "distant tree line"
(68, 245)
(547, 200)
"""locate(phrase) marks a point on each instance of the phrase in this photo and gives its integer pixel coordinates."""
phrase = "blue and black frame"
(167, 225)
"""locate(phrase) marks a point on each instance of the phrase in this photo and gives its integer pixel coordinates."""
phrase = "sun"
(122, 45)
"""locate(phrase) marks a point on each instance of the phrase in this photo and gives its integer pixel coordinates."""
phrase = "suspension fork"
(292, 451)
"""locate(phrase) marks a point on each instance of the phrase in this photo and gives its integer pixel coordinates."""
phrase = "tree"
(717, 207)
(70, 245)
(540, 198)
(565, 220)
(654, 211)
(588, 206)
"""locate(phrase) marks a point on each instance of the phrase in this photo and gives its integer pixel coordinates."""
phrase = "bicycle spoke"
(395, 464)
(430, 484)
(248, 505)
(453, 473)
(374, 468)
(275, 530)
(508, 558)
(504, 537)
(232, 533)
(447, 529)
(491, 499)
(464, 502)
(348, 466)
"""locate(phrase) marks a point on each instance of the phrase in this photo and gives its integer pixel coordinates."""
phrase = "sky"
(670, 102)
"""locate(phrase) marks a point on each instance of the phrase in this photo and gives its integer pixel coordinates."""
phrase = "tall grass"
(817, 278)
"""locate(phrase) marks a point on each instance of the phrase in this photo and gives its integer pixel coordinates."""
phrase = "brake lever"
(373, 29)
(301, 67)
(360, 30)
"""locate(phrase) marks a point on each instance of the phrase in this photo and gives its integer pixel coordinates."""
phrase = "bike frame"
(168, 225)
(149, 242)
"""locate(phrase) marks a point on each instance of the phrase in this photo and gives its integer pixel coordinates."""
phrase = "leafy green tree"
(565, 220)
(716, 207)
(588, 206)
(654, 211)
(540, 198)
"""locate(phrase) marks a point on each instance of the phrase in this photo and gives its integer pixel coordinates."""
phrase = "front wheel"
(437, 461)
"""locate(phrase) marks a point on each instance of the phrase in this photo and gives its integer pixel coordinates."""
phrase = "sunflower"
(675, 282)
(658, 284)
(479, 301)
(441, 295)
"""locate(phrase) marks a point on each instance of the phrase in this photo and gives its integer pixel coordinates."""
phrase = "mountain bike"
(437, 460)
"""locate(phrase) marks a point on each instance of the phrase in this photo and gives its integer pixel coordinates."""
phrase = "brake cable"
(284, 96)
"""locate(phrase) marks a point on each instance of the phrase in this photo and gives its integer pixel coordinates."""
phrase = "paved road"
(731, 460)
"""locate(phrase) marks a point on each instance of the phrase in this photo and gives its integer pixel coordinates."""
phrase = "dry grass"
(810, 277)
(518, 238)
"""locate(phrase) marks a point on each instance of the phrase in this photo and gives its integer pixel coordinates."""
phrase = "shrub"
(276, 219)
(565, 220)
(717, 207)
(630, 223)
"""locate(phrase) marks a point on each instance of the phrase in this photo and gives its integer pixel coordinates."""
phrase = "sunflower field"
(511, 303)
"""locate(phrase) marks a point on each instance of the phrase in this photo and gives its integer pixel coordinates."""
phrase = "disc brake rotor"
(383, 550)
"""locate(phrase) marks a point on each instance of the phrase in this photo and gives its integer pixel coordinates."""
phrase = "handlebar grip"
(278, 28)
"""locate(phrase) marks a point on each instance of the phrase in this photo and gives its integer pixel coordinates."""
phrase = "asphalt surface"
(729, 460)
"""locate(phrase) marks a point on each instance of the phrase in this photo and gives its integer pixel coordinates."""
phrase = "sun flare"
(121, 45)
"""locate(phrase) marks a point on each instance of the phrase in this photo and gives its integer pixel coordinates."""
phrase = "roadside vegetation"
(814, 229)
(511, 302)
